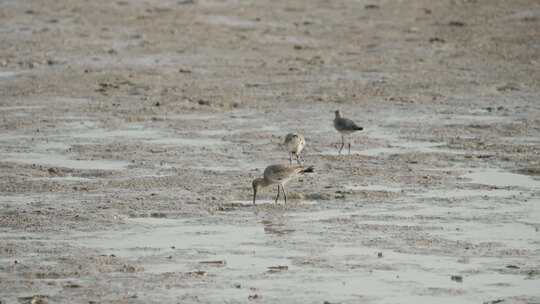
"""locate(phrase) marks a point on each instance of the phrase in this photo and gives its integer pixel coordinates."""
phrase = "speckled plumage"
(295, 143)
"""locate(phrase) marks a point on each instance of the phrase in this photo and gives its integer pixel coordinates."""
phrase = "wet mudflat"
(127, 154)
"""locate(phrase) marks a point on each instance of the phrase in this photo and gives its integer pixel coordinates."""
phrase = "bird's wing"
(289, 137)
(281, 172)
(346, 124)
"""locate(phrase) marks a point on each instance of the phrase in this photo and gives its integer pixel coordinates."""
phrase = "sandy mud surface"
(130, 132)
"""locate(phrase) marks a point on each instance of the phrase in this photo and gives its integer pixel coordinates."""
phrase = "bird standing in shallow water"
(280, 175)
(345, 126)
(294, 143)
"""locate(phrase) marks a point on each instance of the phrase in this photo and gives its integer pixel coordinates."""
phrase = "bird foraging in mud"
(345, 127)
(280, 175)
(295, 143)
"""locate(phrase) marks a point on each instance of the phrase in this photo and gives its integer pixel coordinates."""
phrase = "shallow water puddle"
(494, 177)
(229, 165)
(466, 193)
(467, 119)
(57, 160)
(409, 147)
(51, 146)
(130, 133)
(7, 74)
(18, 199)
(397, 145)
(162, 234)
(509, 235)
(66, 179)
(395, 148)
(326, 270)
(490, 177)
(231, 21)
(241, 247)
(419, 273)
(276, 39)
(15, 108)
(449, 119)
(189, 116)
(532, 208)
(236, 131)
(179, 141)
(376, 188)
(149, 136)
(524, 140)
(318, 215)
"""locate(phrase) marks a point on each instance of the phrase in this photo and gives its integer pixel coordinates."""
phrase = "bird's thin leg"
(277, 197)
(349, 148)
(342, 144)
(284, 194)
(290, 158)
(298, 159)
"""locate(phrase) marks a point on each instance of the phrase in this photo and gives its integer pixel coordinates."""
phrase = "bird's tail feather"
(309, 169)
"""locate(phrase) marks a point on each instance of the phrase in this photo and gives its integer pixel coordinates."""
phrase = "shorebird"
(280, 175)
(294, 143)
(345, 127)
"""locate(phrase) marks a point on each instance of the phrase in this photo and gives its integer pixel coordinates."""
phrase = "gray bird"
(280, 175)
(345, 127)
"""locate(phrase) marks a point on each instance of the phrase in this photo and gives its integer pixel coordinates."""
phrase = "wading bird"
(345, 127)
(295, 143)
(280, 175)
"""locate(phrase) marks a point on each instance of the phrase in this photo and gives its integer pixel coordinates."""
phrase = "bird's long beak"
(254, 195)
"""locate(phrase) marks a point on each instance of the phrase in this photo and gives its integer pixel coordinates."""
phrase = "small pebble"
(371, 6)
(436, 39)
(456, 23)
(203, 102)
(512, 267)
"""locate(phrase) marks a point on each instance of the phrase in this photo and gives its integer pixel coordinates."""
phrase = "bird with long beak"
(345, 127)
(280, 175)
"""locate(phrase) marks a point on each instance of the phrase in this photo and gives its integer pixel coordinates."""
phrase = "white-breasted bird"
(295, 143)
